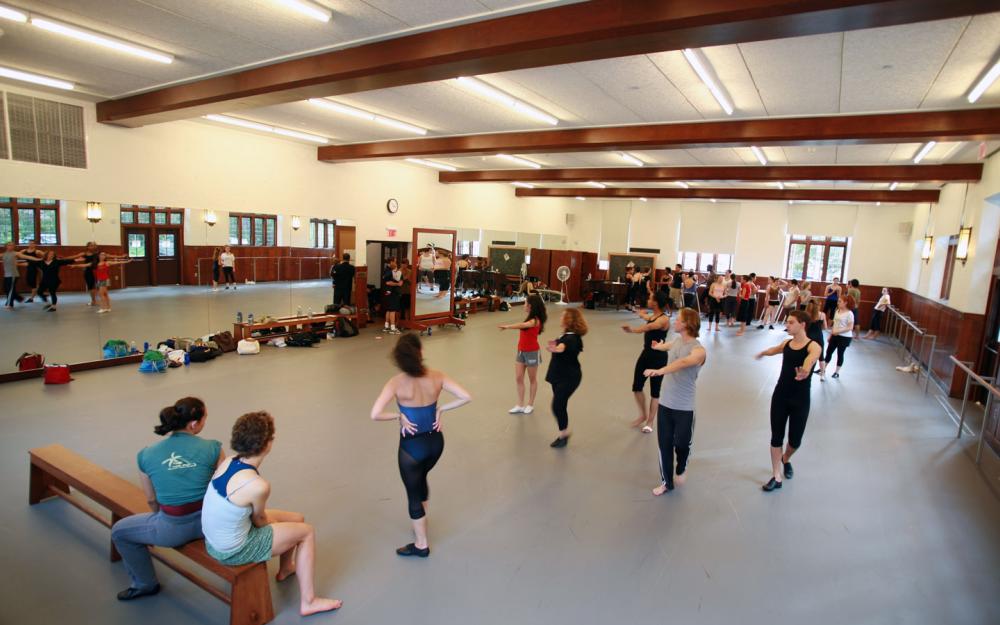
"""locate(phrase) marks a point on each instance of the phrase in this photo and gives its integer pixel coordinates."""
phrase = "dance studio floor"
(886, 520)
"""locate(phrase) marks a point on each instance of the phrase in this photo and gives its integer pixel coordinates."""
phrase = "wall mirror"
(432, 292)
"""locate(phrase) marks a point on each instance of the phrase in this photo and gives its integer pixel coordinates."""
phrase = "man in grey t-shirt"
(10, 275)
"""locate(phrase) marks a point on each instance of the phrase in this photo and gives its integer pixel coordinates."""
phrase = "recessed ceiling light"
(702, 67)
(13, 14)
(759, 153)
(924, 150)
(365, 115)
(984, 83)
(426, 163)
(598, 185)
(491, 92)
(523, 185)
(520, 161)
(631, 160)
(286, 132)
(38, 79)
(101, 40)
(308, 8)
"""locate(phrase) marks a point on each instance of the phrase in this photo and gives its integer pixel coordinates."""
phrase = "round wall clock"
(392, 206)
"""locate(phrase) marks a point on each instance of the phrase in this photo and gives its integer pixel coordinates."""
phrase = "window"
(248, 229)
(949, 267)
(699, 261)
(468, 247)
(816, 258)
(136, 245)
(167, 245)
(150, 215)
(25, 220)
(321, 232)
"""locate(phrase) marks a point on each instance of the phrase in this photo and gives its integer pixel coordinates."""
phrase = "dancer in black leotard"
(655, 329)
(817, 324)
(421, 443)
(49, 268)
(564, 372)
(790, 400)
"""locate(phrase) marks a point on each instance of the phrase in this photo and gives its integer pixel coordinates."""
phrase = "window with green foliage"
(26, 220)
(251, 229)
(816, 257)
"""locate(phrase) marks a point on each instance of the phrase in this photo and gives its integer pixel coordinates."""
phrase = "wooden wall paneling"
(540, 263)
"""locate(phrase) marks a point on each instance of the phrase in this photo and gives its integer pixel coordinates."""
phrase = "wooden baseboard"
(79, 366)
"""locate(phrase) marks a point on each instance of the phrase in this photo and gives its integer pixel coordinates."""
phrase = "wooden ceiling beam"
(960, 125)
(964, 172)
(812, 195)
(586, 31)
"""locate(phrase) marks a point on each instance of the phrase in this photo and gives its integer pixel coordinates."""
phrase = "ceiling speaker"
(570, 219)
(906, 228)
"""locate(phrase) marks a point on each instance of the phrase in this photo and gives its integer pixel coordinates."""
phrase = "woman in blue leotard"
(416, 391)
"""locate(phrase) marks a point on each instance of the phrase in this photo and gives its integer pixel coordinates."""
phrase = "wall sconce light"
(964, 238)
(296, 223)
(925, 254)
(210, 218)
(94, 212)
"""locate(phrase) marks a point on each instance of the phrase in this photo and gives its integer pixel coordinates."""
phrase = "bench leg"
(251, 598)
(39, 485)
(115, 556)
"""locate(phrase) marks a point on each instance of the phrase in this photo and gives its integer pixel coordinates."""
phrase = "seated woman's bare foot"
(285, 573)
(659, 490)
(319, 604)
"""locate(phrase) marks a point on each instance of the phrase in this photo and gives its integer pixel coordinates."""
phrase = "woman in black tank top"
(655, 329)
(790, 400)
(817, 324)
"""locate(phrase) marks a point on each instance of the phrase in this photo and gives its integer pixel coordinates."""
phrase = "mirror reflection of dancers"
(416, 391)
(29, 254)
(49, 268)
(655, 329)
(426, 264)
(102, 279)
(442, 272)
(215, 268)
(790, 400)
(564, 372)
(529, 352)
(675, 414)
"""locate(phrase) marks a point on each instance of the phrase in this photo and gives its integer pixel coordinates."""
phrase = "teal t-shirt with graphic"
(180, 467)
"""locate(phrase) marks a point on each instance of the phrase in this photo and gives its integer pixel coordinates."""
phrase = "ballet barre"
(991, 393)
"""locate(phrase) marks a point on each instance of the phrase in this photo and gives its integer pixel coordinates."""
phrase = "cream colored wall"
(760, 239)
(656, 224)
(880, 253)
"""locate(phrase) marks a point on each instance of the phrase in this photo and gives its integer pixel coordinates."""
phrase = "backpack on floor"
(28, 361)
(248, 347)
(153, 361)
(345, 328)
(175, 358)
(225, 341)
(301, 339)
(115, 349)
(57, 374)
(203, 353)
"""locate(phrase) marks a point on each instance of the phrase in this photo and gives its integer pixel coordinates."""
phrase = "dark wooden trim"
(821, 195)
(574, 33)
(967, 124)
(79, 366)
(971, 172)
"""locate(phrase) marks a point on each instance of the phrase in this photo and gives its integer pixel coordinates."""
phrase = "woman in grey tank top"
(675, 415)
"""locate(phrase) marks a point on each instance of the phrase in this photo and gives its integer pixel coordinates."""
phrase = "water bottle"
(298, 312)
(239, 317)
(187, 359)
(250, 318)
(310, 312)
(145, 347)
(134, 350)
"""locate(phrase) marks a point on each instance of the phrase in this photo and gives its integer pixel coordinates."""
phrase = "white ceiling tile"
(719, 156)
(889, 69)
(414, 12)
(797, 76)
(810, 154)
(864, 154)
(668, 158)
(973, 56)
(637, 84)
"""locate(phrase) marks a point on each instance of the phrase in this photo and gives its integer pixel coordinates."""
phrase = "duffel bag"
(248, 347)
(153, 361)
(115, 349)
(27, 361)
(346, 328)
(301, 339)
(225, 341)
(57, 374)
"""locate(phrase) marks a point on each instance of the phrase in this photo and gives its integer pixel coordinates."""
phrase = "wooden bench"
(294, 324)
(55, 470)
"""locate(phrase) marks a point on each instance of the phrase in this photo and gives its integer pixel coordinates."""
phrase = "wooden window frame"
(251, 237)
(697, 261)
(14, 205)
(330, 238)
(827, 243)
(949, 267)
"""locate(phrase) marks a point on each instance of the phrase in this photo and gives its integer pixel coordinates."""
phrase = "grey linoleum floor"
(886, 520)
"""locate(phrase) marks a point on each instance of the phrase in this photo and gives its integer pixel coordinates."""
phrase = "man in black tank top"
(790, 400)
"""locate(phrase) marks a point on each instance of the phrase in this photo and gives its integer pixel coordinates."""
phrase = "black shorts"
(648, 359)
(88, 278)
(392, 302)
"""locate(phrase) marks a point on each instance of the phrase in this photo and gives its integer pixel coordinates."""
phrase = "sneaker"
(90, 303)
(101, 311)
(385, 329)
(50, 308)
(46, 307)
(836, 374)
(760, 327)
(770, 327)
(134, 593)
(528, 409)
(559, 442)
(395, 331)
(227, 288)
(516, 410)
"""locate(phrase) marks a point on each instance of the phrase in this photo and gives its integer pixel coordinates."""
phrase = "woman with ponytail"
(174, 473)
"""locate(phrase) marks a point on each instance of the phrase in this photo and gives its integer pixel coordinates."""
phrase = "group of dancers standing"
(43, 274)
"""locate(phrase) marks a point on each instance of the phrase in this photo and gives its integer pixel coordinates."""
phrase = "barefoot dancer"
(416, 391)
(240, 530)
(675, 416)
(529, 353)
(564, 372)
(790, 400)
(654, 330)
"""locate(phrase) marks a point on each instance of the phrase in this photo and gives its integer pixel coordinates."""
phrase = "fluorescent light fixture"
(520, 161)
(642, 199)
(985, 83)
(581, 198)
(892, 187)
(523, 185)
(682, 184)
(38, 79)
(713, 200)
(631, 160)
(759, 153)
(491, 92)
(8, 13)
(246, 123)
(781, 185)
(962, 249)
(878, 203)
(365, 115)
(426, 163)
(701, 66)
(924, 151)
(101, 40)
(308, 8)
(597, 185)
(925, 253)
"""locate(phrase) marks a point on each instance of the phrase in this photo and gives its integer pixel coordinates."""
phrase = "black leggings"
(417, 456)
(648, 359)
(228, 273)
(791, 410)
(50, 288)
(829, 308)
(561, 392)
(714, 310)
(876, 324)
(837, 342)
(674, 429)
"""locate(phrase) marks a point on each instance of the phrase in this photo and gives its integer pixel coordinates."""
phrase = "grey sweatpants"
(132, 534)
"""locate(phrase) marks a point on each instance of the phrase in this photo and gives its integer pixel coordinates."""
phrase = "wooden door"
(167, 254)
(345, 238)
(138, 244)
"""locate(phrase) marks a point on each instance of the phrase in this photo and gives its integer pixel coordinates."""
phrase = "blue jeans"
(132, 534)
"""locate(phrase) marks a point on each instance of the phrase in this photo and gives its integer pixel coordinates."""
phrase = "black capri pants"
(562, 390)
(876, 324)
(714, 310)
(793, 411)
(417, 456)
(443, 278)
(838, 342)
(648, 359)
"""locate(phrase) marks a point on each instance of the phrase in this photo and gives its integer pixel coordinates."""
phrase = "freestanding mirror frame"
(424, 322)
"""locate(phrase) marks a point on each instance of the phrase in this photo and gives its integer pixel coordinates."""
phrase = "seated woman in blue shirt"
(174, 474)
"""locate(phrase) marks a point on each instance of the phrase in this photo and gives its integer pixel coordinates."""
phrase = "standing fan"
(563, 274)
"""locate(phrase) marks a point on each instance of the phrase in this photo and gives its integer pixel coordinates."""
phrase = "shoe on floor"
(559, 442)
(528, 409)
(789, 472)
(772, 484)
(836, 374)
(647, 430)
(516, 410)
(412, 550)
(102, 311)
(770, 327)
(134, 593)
(760, 327)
